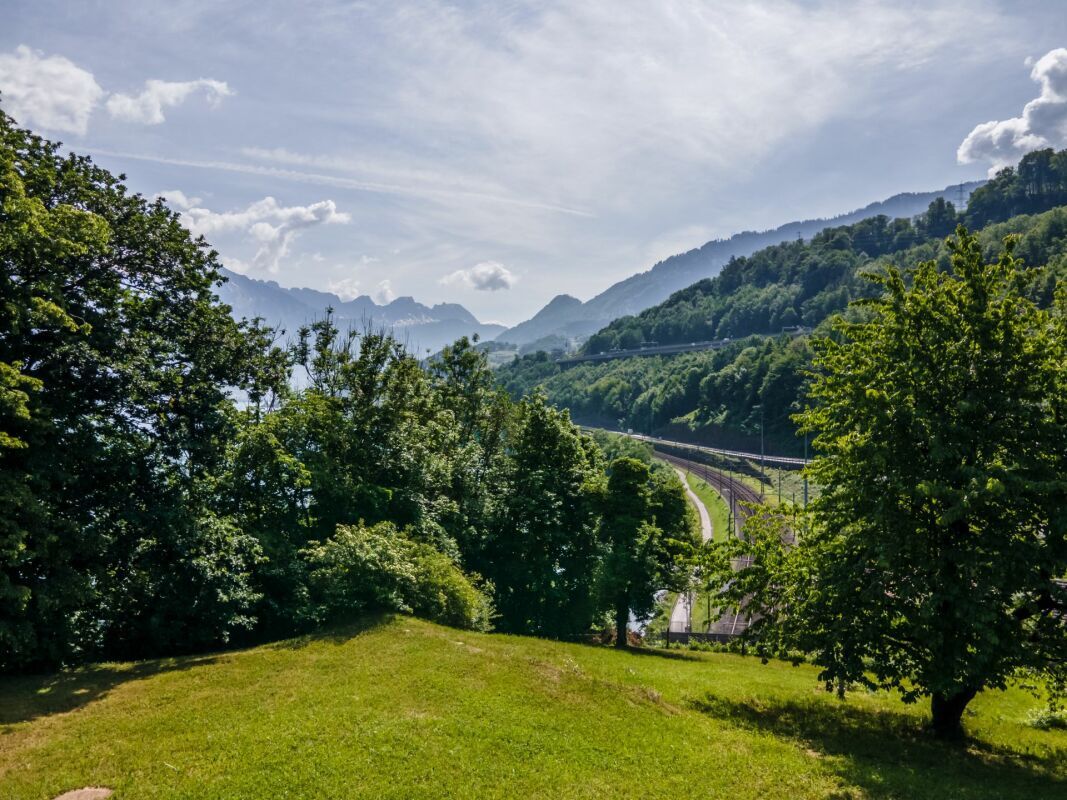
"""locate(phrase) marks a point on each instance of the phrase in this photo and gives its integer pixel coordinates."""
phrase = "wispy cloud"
(341, 181)
(345, 288)
(384, 293)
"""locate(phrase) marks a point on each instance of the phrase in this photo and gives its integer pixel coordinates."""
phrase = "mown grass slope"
(402, 708)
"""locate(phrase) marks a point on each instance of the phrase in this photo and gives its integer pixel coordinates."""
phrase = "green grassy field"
(402, 708)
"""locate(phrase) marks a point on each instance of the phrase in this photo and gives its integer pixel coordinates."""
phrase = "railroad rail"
(742, 499)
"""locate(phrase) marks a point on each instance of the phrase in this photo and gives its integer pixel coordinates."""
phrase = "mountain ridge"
(419, 325)
(646, 289)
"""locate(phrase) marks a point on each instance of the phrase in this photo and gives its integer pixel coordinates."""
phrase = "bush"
(361, 568)
(444, 594)
(1047, 719)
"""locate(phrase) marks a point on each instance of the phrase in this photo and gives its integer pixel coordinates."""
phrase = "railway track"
(742, 499)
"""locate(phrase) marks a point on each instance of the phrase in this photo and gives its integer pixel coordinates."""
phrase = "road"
(680, 614)
(731, 623)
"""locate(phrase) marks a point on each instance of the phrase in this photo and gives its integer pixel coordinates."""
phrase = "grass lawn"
(402, 708)
(717, 508)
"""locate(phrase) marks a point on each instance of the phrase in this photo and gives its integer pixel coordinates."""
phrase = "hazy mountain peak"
(419, 325)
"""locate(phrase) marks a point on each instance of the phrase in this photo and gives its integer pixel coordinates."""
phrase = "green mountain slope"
(722, 396)
(407, 709)
(567, 317)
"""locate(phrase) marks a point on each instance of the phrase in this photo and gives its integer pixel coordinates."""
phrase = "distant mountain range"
(420, 327)
(566, 317)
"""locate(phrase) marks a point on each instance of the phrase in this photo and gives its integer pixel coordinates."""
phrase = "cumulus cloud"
(49, 92)
(54, 93)
(345, 288)
(384, 294)
(1043, 122)
(270, 226)
(147, 107)
(487, 276)
(177, 199)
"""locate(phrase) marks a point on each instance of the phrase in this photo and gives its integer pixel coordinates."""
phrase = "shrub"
(363, 568)
(1047, 719)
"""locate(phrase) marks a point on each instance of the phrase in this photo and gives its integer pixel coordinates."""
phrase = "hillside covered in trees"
(723, 394)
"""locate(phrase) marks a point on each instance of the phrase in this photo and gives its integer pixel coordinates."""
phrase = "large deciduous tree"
(647, 531)
(541, 548)
(116, 365)
(940, 423)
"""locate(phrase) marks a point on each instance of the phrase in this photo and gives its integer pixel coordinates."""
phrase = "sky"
(497, 154)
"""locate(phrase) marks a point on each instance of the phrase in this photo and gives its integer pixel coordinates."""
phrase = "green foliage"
(117, 369)
(709, 391)
(615, 445)
(361, 569)
(541, 550)
(648, 533)
(941, 434)
(1039, 182)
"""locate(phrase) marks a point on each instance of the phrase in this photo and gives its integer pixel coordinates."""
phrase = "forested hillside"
(802, 283)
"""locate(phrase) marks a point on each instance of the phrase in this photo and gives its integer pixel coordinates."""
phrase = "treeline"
(730, 389)
(758, 380)
(164, 488)
(804, 282)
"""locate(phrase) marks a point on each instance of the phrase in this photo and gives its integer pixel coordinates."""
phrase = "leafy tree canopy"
(929, 559)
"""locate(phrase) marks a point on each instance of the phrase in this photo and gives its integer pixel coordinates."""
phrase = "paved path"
(680, 613)
(705, 518)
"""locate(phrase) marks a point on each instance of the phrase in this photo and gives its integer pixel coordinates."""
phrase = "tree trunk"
(947, 713)
(622, 622)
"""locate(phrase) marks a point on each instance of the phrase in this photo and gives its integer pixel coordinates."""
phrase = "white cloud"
(487, 276)
(607, 104)
(178, 199)
(345, 288)
(49, 92)
(54, 93)
(1043, 122)
(147, 107)
(384, 294)
(270, 226)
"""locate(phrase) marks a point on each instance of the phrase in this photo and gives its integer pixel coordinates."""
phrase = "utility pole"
(762, 468)
(805, 471)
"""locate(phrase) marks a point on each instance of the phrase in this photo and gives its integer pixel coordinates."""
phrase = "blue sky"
(497, 154)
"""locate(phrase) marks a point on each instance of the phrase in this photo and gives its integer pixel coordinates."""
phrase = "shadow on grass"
(25, 698)
(336, 633)
(657, 652)
(887, 754)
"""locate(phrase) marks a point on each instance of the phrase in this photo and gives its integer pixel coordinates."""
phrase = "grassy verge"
(403, 708)
(717, 508)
